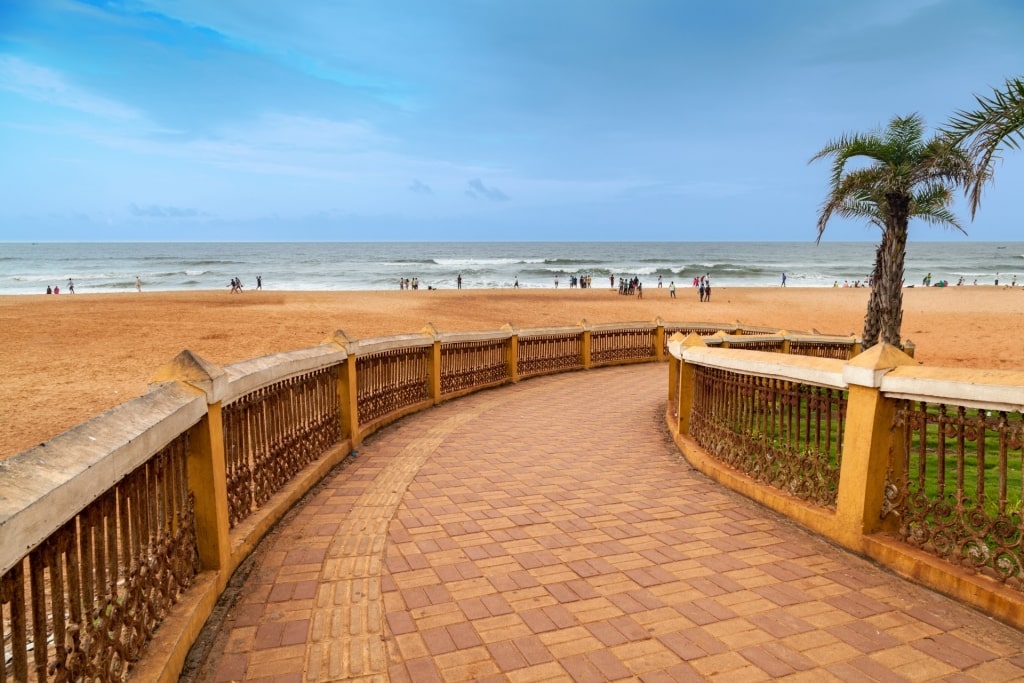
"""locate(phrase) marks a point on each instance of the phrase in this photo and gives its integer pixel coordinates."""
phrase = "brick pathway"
(551, 531)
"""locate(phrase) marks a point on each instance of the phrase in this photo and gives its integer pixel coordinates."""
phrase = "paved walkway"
(551, 531)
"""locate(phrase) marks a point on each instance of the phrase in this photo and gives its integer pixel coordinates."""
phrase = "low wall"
(137, 518)
(917, 468)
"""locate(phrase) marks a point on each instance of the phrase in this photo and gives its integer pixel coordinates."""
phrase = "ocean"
(28, 268)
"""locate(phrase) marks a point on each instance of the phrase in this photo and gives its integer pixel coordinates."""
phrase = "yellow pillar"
(585, 344)
(785, 341)
(434, 369)
(687, 384)
(513, 353)
(207, 478)
(347, 388)
(673, 370)
(659, 339)
(867, 442)
(207, 470)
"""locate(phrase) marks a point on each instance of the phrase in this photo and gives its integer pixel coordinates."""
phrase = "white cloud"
(43, 84)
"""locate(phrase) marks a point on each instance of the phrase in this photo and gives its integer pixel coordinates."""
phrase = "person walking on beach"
(659, 282)
(259, 282)
(701, 288)
(783, 279)
(556, 282)
(672, 289)
(516, 284)
(138, 284)
(71, 286)
(707, 289)
(458, 281)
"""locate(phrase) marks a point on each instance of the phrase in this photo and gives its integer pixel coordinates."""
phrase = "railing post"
(205, 462)
(687, 384)
(867, 442)
(348, 388)
(785, 341)
(513, 353)
(659, 339)
(585, 344)
(673, 371)
(434, 369)
(723, 335)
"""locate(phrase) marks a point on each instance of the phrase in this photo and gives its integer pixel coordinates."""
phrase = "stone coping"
(44, 487)
(825, 372)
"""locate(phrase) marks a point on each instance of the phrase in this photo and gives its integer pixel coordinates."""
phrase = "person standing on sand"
(672, 289)
(259, 282)
(71, 286)
(556, 282)
(458, 281)
(783, 279)
(138, 284)
(516, 284)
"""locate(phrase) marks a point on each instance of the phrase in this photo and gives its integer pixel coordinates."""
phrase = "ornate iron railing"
(389, 381)
(468, 365)
(272, 433)
(955, 486)
(754, 343)
(541, 354)
(783, 433)
(82, 605)
(822, 349)
(630, 343)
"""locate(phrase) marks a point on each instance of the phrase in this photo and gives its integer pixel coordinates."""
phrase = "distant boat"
(1000, 247)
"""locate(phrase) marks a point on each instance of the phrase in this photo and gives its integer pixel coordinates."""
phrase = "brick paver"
(551, 531)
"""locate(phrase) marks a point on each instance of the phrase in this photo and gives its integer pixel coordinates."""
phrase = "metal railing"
(100, 525)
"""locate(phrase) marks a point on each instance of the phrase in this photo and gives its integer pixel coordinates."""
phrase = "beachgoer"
(49, 289)
(1013, 282)
(71, 286)
(556, 282)
(611, 281)
(56, 289)
(138, 284)
(701, 288)
(259, 282)
(997, 279)
(672, 290)
(639, 290)
(458, 281)
(516, 284)
(707, 290)
(783, 279)
(659, 282)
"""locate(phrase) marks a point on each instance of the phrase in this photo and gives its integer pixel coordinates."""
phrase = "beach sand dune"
(68, 358)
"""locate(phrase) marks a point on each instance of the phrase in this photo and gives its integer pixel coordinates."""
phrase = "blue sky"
(473, 119)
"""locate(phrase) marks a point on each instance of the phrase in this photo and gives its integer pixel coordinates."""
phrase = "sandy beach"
(70, 357)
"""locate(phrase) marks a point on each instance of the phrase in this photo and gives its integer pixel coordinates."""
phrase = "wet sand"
(67, 358)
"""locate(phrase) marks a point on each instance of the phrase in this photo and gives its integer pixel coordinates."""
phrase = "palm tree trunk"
(893, 253)
(872, 323)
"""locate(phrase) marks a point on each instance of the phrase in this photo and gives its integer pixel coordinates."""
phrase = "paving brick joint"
(550, 531)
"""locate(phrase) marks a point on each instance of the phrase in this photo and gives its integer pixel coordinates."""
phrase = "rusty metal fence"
(782, 433)
(954, 485)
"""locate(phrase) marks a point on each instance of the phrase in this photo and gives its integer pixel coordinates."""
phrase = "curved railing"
(919, 468)
(156, 502)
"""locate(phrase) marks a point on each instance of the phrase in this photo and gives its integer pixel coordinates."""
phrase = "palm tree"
(998, 121)
(905, 177)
